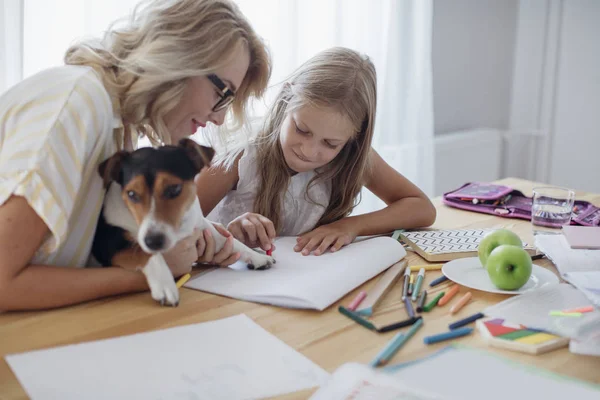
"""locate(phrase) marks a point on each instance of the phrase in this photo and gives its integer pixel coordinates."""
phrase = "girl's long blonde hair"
(145, 64)
(340, 79)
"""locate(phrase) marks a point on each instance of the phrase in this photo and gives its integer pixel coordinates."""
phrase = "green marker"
(357, 318)
(418, 284)
(433, 302)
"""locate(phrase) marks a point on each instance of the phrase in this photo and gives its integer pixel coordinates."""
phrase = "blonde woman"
(303, 174)
(172, 67)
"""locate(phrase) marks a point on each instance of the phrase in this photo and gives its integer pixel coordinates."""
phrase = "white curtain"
(396, 34)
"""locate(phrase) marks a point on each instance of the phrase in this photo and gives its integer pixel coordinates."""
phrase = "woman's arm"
(25, 287)
(407, 207)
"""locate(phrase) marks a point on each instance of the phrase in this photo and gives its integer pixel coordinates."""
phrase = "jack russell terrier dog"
(150, 205)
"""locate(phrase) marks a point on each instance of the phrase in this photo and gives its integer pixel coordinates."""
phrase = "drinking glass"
(551, 209)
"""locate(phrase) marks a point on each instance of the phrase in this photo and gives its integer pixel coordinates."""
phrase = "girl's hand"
(332, 236)
(253, 230)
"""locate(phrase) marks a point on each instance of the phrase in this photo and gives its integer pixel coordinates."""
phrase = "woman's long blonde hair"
(144, 65)
(340, 79)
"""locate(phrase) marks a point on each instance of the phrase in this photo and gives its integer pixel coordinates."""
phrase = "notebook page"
(304, 281)
(227, 359)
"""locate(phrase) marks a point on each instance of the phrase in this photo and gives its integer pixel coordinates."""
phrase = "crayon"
(466, 321)
(447, 335)
(357, 300)
(183, 280)
(461, 302)
(357, 318)
(444, 300)
(437, 281)
(395, 344)
(433, 302)
(428, 267)
(418, 284)
(398, 325)
(421, 302)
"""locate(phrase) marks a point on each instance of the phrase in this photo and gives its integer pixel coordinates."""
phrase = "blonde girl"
(174, 66)
(303, 173)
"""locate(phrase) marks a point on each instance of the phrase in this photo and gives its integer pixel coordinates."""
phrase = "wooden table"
(327, 338)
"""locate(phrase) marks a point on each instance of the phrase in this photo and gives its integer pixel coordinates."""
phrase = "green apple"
(494, 239)
(509, 267)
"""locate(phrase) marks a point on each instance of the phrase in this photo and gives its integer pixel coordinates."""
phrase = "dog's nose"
(155, 241)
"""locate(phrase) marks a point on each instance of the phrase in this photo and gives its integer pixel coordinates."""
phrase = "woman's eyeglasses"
(227, 95)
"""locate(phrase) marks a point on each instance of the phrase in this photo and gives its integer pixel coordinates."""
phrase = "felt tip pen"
(418, 284)
(409, 308)
(411, 285)
(433, 302)
(421, 302)
(405, 283)
(447, 335)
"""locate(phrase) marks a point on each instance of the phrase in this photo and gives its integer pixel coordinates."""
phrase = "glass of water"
(551, 209)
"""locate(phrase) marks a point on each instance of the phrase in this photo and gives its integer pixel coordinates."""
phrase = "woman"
(175, 66)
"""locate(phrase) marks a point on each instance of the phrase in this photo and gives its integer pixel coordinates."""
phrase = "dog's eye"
(133, 196)
(172, 191)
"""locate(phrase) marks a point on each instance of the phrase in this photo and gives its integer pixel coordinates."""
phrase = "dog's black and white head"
(157, 186)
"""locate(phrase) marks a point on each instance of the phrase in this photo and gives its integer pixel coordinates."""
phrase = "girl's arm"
(407, 207)
(26, 287)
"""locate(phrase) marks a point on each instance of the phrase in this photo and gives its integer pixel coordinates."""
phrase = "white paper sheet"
(532, 310)
(472, 374)
(298, 281)
(227, 359)
(566, 259)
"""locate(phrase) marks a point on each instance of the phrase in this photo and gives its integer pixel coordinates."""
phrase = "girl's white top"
(299, 213)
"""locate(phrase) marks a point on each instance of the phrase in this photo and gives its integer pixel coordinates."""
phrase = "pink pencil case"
(504, 201)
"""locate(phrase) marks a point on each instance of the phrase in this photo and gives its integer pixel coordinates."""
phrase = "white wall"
(472, 56)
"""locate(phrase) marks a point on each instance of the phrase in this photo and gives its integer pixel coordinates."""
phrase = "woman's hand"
(253, 230)
(332, 236)
(200, 247)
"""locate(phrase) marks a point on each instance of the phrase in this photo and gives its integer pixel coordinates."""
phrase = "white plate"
(469, 272)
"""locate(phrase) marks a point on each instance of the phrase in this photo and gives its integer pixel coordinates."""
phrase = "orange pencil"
(460, 304)
(449, 295)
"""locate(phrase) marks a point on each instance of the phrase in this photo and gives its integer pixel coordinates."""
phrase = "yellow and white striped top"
(56, 127)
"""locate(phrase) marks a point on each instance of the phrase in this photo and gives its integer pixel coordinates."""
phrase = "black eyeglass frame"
(227, 95)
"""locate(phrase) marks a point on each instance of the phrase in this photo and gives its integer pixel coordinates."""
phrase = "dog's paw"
(162, 285)
(259, 261)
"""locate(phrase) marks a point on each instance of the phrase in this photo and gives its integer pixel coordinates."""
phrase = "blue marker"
(437, 281)
(447, 335)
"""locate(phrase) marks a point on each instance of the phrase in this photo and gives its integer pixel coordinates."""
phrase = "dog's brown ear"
(201, 156)
(110, 169)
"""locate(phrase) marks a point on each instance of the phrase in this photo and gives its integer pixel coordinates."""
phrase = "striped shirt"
(56, 127)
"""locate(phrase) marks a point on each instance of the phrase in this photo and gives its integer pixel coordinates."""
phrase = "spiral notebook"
(446, 245)
(297, 281)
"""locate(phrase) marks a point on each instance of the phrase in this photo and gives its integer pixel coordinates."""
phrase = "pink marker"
(357, 300)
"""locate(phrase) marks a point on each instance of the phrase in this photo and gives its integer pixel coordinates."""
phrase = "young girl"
(303, 173)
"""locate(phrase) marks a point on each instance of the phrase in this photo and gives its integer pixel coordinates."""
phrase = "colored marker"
(183, 280)
(405, 283)
(418, 284)
(357, 300)
(580, 310)
(447, 335)
(444, 300)
(409, 308)
(398, 325)
(564, 314)
(421, 302)
(395, 344)
(433, 302)
(439, 280)
(461, 303)
(428, 267)
(411, 284)
(356, 318)
(466, 321)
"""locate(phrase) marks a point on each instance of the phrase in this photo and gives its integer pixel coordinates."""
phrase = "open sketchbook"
(297, 281)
